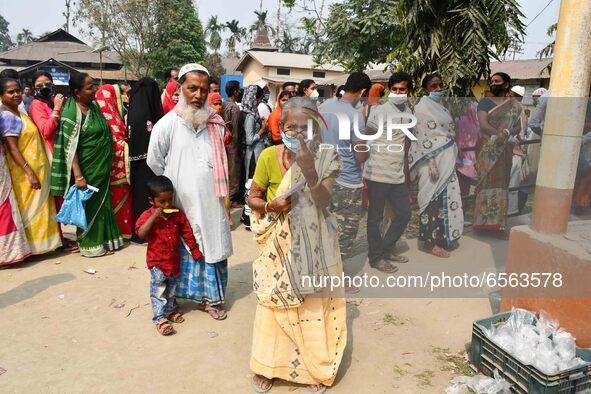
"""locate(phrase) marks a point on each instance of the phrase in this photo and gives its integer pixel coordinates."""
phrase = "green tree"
(287, 42)
(237, 34)
(455, 37)
(24, 37)
(214, 31)
(180, 36)
(5, 41)
(548, 50)
(213, 63)
(125, 26)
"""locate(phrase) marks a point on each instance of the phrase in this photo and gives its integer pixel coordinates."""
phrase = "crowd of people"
(168, 165)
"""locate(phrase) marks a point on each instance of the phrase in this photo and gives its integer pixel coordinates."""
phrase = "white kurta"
(184, 155)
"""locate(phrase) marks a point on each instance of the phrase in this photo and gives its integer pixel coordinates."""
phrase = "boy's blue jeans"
(161, 294)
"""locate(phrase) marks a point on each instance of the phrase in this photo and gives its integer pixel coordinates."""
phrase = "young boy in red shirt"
(163, 226)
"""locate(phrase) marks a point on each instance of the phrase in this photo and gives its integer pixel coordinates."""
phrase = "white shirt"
(184, 155)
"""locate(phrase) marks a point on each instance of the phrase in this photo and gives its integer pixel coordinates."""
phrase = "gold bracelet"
(25, 165)
(79, 178)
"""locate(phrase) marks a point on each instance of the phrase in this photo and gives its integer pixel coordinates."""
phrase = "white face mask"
(398, 99)
(314, 95)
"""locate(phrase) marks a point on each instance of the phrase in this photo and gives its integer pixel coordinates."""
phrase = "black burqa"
(145, 109)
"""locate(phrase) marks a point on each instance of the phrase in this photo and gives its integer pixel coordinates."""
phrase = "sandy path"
(81, 343)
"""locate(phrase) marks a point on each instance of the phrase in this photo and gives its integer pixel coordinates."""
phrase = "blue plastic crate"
(486, 356)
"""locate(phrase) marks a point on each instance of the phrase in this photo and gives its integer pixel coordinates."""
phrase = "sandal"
(164, 327)
(260, 389)
(71, 247)
(439, 252)
(175, 316)
(320, 388)
(217, 314)
(385, 267)
(397, 259)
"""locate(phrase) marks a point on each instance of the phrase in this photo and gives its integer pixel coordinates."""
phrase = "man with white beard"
(187, 146)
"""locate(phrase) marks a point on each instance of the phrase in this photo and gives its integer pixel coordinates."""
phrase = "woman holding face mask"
(46, 108)
(46, 112)
(300, 331)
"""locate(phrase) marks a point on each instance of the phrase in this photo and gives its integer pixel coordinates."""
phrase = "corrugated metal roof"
(287, 60)
(523, 69)
(64, 51)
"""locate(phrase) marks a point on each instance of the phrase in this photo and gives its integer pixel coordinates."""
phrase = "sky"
(41, 16)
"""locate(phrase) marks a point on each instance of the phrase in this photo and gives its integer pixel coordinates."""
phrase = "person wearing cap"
(535, 123)
(187, 146)
(517, 199)
(263, 107)
(540, 99)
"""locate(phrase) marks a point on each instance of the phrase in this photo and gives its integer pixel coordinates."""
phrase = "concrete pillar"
(542, 248)
(565, 116)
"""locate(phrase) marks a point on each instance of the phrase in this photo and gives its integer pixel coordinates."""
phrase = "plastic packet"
(479, 384)
(73, 208)
(564, 345)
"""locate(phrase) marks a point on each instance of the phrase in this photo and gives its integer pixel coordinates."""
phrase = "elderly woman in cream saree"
(300, 327)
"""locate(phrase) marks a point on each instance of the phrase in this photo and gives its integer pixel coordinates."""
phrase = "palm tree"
(548, 50)
(24, 37)
(237, 34)
(261, 20)
(287, 43)
(214, 30)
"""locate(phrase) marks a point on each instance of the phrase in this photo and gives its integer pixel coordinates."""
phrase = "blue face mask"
(266, 97)
(437, 96)
(291, 143)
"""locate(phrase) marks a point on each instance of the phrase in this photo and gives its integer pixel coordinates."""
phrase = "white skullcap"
(539, 91)
(261, 84)
(187, 68)
(520, 90)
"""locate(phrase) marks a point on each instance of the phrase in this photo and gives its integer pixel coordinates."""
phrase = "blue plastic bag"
(72, 211)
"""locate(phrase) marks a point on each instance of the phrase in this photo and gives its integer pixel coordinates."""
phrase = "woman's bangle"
(317, 184)
(266, 206)
(79, 178)
(25, 165)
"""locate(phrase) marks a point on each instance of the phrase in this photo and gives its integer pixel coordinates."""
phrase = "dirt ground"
(64, 330)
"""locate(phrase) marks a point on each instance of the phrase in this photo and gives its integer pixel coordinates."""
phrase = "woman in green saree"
(84, 151)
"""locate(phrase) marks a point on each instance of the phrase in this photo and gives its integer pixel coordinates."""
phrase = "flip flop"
(398, 259)
(260, 389)
(321, 390)
(387, 267)
(220, 314)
